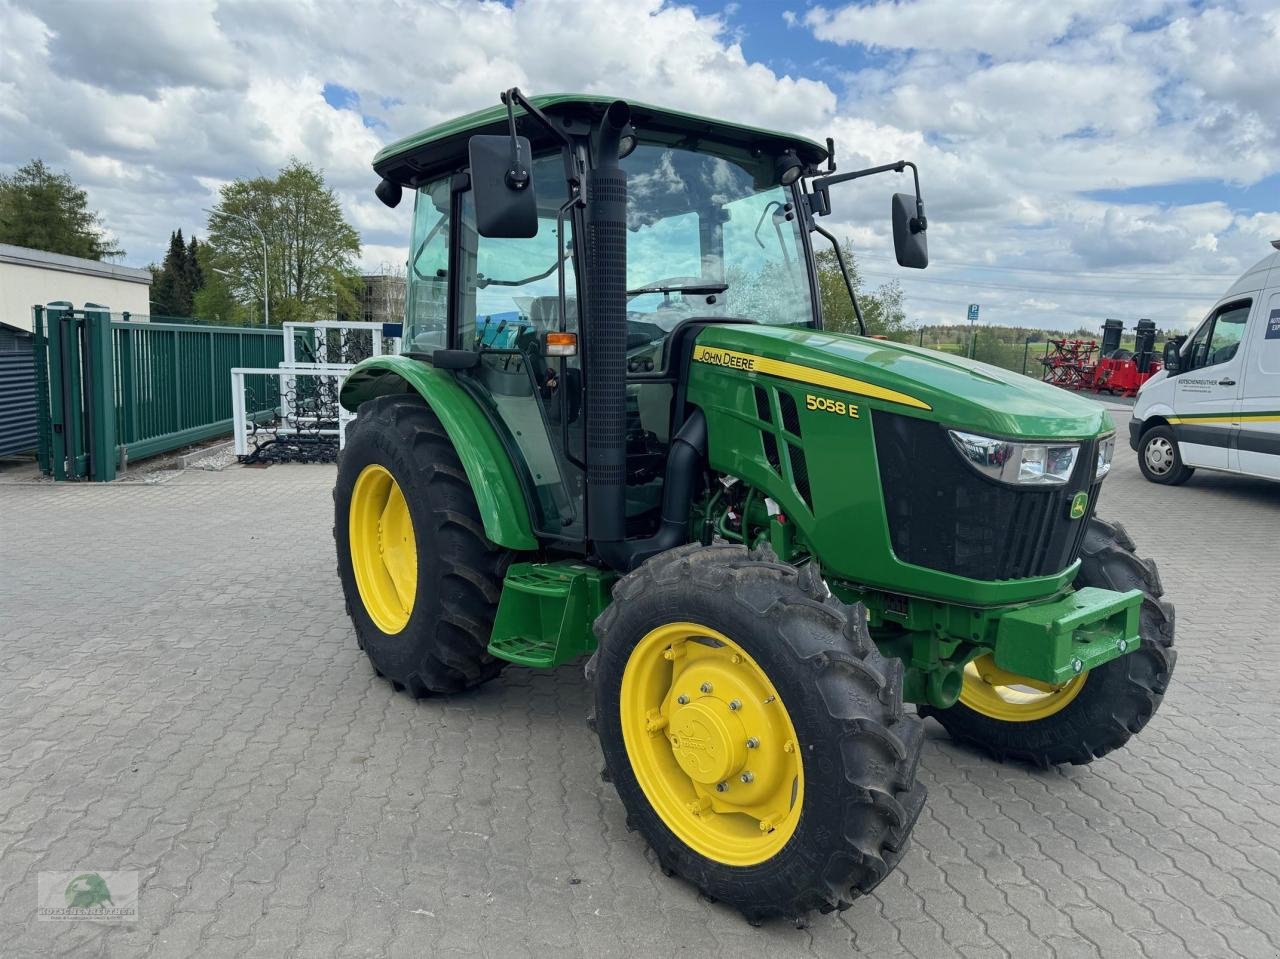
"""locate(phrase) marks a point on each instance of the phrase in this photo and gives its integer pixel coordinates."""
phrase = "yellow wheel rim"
(1011, 698)
(722, 768)
(384, 553)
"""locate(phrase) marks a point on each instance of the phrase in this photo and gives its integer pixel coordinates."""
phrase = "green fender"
(484, 458)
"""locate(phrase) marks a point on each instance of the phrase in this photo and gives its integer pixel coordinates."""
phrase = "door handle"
(1226, 382)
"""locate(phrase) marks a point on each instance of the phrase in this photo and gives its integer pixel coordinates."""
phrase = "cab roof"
(443, 148)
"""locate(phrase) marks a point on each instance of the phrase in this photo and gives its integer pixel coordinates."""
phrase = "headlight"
(1019, 464)
(1106, 450)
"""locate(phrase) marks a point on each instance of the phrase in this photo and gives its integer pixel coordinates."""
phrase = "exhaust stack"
(605, 187)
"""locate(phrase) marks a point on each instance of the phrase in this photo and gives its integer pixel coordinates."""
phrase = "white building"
(33, 277)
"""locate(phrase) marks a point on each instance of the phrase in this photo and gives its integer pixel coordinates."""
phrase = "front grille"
(945, 516)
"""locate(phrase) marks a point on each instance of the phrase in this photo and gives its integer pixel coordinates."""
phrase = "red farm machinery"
(1078, 364)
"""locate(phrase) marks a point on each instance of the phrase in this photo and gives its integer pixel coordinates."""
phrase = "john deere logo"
(1079, 503)
(88, 891)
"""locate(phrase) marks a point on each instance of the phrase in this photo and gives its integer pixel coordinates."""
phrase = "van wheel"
(1160, 459)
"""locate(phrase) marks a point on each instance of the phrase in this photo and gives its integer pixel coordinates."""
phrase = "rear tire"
(1160, 459)
(854, 798)
(442, 645)
(1116, 700)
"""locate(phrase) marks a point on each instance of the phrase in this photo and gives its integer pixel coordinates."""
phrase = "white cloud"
(1000, 27)
(1014, 111)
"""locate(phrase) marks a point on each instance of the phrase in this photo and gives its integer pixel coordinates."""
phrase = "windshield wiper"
(695, 288)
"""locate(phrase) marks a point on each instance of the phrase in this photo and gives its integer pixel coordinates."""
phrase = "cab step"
(546, 611)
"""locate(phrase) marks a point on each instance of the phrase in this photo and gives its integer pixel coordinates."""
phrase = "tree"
(311, 249)
(175, 282)
(44, 210)
(192, 272)
(882, 310)
(215, 300)
(169, 293)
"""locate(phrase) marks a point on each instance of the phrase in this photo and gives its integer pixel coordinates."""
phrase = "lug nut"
(735, 704)
(705, 687)
(753, 743)
(1122, 645)
(722, 787)
(748, 776)
(682, 699)
(1076, 665)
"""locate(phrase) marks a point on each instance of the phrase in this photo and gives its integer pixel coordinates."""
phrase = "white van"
(1216, 404)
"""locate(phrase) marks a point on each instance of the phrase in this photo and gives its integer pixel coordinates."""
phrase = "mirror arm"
(919, 223)
(514, 97)
(848, 284)
(823, 182)
(517, 175)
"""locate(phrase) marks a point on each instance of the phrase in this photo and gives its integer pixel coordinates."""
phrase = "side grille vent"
(790, 415)
(771, 450)
(762, 405)
(800, 470)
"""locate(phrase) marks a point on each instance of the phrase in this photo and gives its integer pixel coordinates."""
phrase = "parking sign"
(973, 312)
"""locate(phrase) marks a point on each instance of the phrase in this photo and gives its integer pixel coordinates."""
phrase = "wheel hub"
(708, 740)
(1159, 455)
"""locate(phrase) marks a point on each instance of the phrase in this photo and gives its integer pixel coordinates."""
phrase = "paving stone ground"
(181, 694)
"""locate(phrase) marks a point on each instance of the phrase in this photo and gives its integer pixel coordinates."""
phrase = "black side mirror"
(1172, 357)
(502, 186)
(909, 241)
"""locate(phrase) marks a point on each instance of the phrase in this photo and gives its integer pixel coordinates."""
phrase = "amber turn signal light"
(562, 344)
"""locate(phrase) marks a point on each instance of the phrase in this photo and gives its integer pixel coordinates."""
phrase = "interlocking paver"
(182, 695)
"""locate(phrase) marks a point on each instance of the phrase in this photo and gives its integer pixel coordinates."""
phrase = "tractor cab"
(715, 229)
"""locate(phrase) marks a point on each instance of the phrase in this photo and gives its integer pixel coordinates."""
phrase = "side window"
(508, 296)
(769, 279)
(1218, 340)
(510, 287)
(427, 307)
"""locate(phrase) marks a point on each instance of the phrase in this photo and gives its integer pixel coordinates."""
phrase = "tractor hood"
(955, 391)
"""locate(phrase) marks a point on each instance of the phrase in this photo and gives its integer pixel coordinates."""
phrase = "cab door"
(1258, 411)
(506, 299)
(1206, 394)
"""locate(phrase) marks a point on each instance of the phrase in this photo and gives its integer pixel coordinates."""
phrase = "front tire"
(754, 733)
(421, 580)
(1013, 718)
(1160, 459)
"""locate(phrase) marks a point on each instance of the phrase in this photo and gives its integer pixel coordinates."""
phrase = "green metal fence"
(112, 388)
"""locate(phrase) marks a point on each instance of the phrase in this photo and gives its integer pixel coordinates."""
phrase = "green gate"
(111, 389)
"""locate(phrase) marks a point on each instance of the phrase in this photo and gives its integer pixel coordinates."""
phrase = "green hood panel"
(958, 392)
(815, 455)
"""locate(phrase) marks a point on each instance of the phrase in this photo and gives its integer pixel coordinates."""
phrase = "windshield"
(712, 236)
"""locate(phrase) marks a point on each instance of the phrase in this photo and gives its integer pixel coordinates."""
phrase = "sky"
(1079, 159)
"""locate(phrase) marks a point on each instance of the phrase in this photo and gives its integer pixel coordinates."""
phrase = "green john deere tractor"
(618, 428)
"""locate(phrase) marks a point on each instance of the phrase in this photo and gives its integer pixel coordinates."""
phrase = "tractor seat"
(544, 311)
